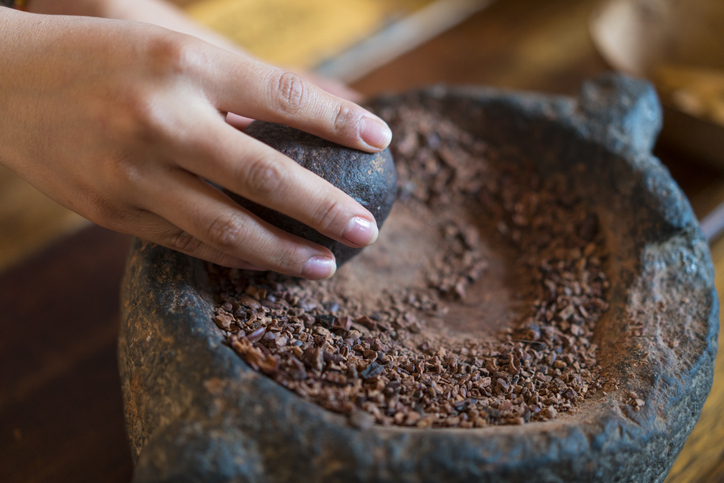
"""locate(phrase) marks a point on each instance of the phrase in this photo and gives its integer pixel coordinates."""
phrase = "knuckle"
(151, 122)
(345, 122)
(329, 216)
(183, 242)
(263, 178)
(102, 211)
(134, 119)
(290, 260)
(118, 178)
(125, 175)
(167, 54)
(226, 231)
(292, 92)
(139, 113)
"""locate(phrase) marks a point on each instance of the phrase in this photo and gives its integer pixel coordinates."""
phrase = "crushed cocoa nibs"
(382, 363)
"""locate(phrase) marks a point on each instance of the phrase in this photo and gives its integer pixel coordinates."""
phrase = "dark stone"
(195, 411)
(369, 178)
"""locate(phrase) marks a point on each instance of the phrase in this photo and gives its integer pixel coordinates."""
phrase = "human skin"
(164, 14)
(125, 122)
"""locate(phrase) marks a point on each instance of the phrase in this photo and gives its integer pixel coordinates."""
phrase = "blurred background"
(548, 46)
(59, 275)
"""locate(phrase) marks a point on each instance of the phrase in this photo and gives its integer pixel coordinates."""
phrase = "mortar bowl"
(195, 411)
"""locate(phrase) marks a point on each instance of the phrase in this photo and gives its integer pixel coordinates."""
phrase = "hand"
(123, 122)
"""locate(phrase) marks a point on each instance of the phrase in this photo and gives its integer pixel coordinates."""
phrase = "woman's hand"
(123, 122)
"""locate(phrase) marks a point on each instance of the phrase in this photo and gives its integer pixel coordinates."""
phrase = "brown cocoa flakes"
(366, 322)
(249, 302)
(256, 335)
(255, 292)
(223, 320)
(381, 364)
(549, 413)
(343, 323)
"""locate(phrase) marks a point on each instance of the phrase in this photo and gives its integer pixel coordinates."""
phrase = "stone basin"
(195, 411)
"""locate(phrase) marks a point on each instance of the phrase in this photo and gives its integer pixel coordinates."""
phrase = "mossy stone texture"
(195, 411)
(369, 178)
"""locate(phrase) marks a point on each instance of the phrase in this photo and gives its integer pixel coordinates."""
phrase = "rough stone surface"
(369, 178)
(196, 412)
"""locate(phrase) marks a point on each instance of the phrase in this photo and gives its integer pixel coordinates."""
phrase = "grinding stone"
(369, 178)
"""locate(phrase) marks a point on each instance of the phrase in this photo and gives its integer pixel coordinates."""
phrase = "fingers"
(209, 223)
(254, 89)
(152, 227)
(330, 85)
(261, 174)
(239, 122)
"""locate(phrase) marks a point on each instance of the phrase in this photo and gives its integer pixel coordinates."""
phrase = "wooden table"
(60, 404)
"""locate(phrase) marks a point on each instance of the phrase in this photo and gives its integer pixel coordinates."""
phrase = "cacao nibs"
(382, 364)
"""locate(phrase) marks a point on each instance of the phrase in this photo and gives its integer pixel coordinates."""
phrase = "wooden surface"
(61, 416)
(60, 404)
(314, 30)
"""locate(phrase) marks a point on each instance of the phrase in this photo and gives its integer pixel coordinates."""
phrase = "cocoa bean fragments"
(382, 363)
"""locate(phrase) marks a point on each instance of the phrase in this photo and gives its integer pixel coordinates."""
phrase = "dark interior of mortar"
(489, 275)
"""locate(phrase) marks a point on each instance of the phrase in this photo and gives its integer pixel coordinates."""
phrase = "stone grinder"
(369, 178)
(195, 411)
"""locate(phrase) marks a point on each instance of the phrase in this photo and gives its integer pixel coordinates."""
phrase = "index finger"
(251, 88)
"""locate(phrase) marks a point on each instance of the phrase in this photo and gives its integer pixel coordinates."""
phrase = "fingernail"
(375, 132)
(360, 231)
(317, 268)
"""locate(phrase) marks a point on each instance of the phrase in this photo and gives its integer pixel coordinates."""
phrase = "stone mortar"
(196, 412)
